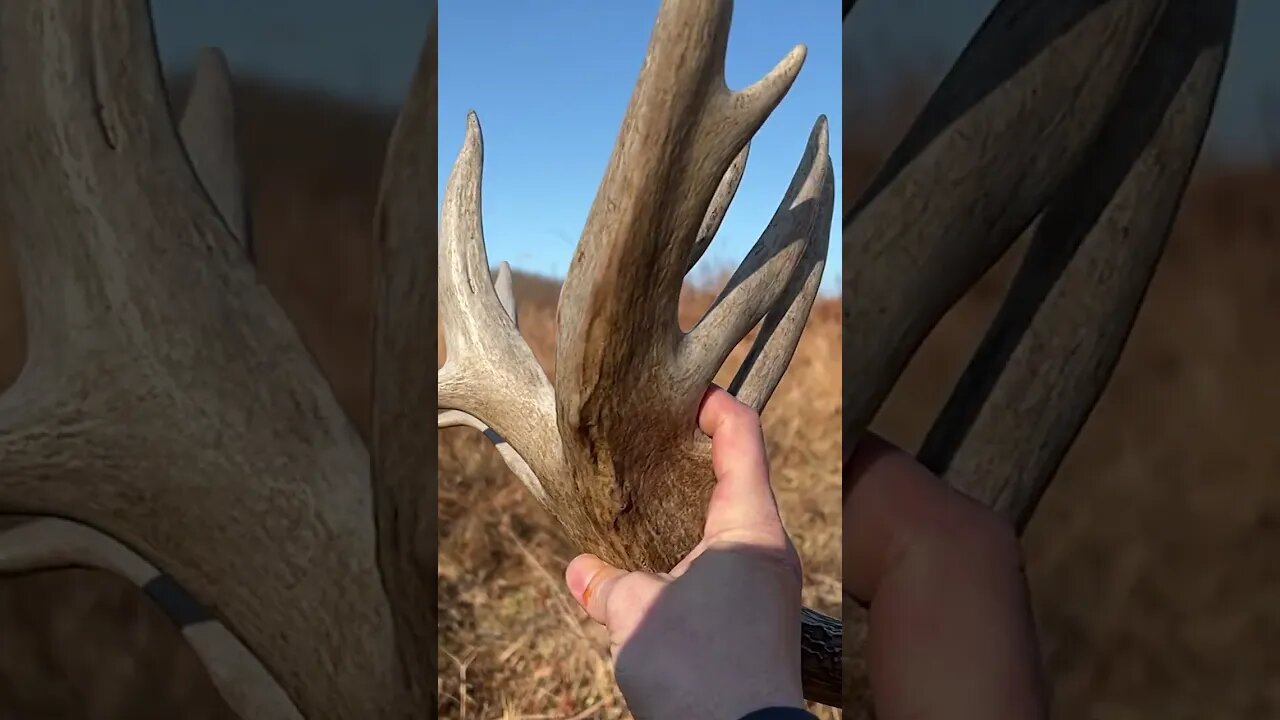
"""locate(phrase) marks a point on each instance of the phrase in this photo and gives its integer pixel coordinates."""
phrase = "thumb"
(590, 581)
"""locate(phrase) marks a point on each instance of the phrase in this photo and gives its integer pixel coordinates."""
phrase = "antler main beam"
(1059, 333)
(611, 449)
(168, 407)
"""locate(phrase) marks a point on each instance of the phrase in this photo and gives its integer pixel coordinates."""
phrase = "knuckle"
(631, 594)
(744, 413)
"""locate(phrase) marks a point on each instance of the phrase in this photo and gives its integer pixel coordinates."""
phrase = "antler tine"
(618, 308)
(1058, 335)
(777, 276)
(1000, 134)
(720, 202)
(103, 108)
(779, 336)
(115, 139)
(256, 486)
(626, 476)
(517, 465)
(506, 292)
(457, 418)
(208, 130)
(635, 480)
(33, 544)
(489, 373)
(1047, 356)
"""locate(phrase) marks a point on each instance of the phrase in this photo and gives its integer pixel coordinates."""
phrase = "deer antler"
(1002, 131)
(169, 422)
(1127, 88)
(208, 133)
(490, 378)
(611, 449)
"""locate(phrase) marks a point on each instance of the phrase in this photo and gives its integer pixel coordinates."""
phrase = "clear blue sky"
(550, 83)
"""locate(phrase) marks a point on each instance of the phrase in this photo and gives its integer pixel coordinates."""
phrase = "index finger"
(743, 498)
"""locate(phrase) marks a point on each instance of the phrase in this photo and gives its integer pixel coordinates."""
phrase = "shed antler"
(1087, 114)
(169, 425)
(611, 450)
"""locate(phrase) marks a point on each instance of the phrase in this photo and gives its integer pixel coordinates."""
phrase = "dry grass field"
(1152, 559)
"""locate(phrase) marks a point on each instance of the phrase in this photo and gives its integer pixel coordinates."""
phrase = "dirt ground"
(1148, 558)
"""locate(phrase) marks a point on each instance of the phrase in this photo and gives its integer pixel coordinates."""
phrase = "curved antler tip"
(474, 137)
(212, 75)
(788, 68)
(821, 134)
(505, 288)
(768, 90)
(816, 149)
(210, 54)
(796, 57)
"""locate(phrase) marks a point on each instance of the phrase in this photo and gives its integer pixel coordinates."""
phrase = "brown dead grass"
(1152, 559)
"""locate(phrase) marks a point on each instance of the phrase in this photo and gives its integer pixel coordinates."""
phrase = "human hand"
(719, 635)
(950, 631)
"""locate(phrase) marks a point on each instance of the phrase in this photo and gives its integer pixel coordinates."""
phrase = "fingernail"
(579, 573)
